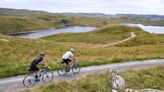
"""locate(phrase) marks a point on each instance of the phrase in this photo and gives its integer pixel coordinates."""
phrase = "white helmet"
(71, 49)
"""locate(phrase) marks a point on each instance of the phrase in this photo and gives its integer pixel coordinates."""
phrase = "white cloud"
(102, 6)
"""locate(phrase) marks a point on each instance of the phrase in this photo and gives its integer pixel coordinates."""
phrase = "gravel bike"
(74, 66)
(30, 80)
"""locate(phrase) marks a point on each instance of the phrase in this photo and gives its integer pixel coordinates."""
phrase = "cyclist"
(35, 62)
(68, 57)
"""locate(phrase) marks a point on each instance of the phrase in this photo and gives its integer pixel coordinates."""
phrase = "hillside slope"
(107, 34)
(17, 53)
(16, 20)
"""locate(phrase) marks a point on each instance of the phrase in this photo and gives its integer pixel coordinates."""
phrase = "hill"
(110, 34)
(21, 20)
(17, 53)
(107, 34)
(101, 15)
(154, 20)
(15, 20)
(113, 16)
(20, 12)
(140, 16)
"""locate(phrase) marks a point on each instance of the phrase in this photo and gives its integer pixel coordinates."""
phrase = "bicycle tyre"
(29, 81)
(47, 77)
(76, 68)
(61, 72)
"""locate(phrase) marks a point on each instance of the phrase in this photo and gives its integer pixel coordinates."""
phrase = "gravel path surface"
(115, 43)
(14, 83)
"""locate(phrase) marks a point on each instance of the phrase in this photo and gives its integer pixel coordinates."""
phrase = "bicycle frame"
(73, 63)
(43, 71)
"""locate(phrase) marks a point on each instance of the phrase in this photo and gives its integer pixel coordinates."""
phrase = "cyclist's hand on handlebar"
(46, 66)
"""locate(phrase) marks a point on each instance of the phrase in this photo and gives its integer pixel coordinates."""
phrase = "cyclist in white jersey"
(68, 56)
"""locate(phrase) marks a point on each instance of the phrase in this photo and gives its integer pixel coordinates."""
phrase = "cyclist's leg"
(35, 69)
(66, 62)
(69, 61)
(38, 71)
(63, 63)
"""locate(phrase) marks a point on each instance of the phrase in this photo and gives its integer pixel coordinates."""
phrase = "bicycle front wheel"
(29, 81)
(76, 69)
(47, 77)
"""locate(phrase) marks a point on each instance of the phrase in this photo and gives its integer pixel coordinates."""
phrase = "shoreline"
(34, 31)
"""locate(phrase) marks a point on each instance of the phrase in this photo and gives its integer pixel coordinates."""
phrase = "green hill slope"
(107, 34)
(110, 34)
(15, 20)
(17, 53)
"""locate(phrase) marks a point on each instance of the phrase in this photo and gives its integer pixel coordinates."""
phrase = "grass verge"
(138, 79)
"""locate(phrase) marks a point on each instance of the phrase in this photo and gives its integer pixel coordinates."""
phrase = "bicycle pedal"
(37, 80)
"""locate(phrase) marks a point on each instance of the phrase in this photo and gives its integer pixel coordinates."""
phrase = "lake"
(42, 33)
(150, 29)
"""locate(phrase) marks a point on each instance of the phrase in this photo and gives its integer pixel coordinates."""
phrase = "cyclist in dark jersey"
(35, 62)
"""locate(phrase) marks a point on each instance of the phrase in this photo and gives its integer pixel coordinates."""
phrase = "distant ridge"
(112, 16)
(22, 12)
(86, 14)
(141, 15)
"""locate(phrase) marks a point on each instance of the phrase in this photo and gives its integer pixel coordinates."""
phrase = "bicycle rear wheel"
(61, 71)
(47, 77)
(29, 81)
(76, 68)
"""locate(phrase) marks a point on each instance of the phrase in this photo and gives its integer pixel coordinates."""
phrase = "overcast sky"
(89, 6)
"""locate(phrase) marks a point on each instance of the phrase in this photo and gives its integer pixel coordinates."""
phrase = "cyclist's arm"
(45, 64)
(74, 59)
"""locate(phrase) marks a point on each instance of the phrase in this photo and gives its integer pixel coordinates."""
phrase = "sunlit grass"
(150, 78)
(17, 53)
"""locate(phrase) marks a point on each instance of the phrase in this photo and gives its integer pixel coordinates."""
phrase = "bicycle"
(30, 79)
(74, 66)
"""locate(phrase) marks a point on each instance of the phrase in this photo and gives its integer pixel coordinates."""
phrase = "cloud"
(89, 6)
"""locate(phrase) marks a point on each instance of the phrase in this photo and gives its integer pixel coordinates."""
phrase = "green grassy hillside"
(144, 21)
(20, 12)
(107, 34)
(17, 53)
(110, 34)
(12, 24)
(13, 20)
(150, 78)
(20, 20)
(145, 39)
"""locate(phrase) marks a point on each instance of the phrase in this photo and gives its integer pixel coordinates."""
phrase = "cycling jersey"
(67, 55)
(34, 63)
